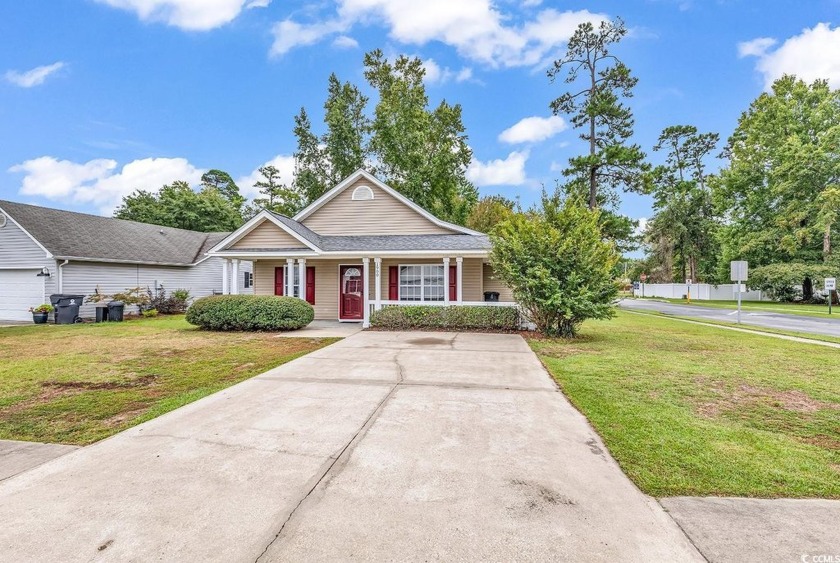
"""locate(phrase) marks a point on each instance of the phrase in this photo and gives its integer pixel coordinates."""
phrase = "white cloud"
(191, 15)
(641, 227)
(477, 29)
(345, 42)
(98, 182)
(289, 34)
(33, 77)
(533, 129)
(756, 47)
(813, 54)
(285, 164)
(435, 74)
(509, 171)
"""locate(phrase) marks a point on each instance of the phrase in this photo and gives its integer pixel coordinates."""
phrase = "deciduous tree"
(557, 264)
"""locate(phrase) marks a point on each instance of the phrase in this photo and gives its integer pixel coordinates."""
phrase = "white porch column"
(290, 277)
(459, 291)
(446, 281)
(302, 278)
(234, 281)
(225, 276)
(365, 292)
(377, 280)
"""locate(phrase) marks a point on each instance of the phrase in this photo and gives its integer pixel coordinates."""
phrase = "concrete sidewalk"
(384, 446)
(748, 530)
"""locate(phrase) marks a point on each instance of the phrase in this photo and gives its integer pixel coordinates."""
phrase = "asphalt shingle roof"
(67, 234)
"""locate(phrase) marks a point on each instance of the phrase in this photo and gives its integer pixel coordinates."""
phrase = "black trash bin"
(491, 295)
(101, 312)
(115, 311)
(66, 308)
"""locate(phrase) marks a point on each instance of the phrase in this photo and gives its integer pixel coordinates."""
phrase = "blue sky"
(99, 97)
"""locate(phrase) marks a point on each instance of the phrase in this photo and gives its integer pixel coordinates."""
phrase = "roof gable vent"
(362, 193)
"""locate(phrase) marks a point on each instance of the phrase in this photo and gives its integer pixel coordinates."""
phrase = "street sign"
(688, 282)
(830, 284)
(738, 270)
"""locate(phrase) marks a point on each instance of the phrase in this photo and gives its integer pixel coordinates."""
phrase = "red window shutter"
(310, 284)
(279, 286)
(453, 281)
(393, 283)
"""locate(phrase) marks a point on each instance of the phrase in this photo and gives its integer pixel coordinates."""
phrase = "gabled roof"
(361, 173)
(71, 235)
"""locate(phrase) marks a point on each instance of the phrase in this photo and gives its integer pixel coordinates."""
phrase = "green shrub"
(453, 317)
(250, 312)
(149, 313)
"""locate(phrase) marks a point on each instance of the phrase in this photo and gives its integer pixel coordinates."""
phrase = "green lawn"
(695, 410)
(804, 309)
(76, 384)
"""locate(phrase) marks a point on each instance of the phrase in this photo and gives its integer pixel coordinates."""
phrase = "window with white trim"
(296, 286)
(362, 193)
(422, 282)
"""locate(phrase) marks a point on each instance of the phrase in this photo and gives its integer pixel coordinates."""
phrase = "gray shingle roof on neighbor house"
(67, 234)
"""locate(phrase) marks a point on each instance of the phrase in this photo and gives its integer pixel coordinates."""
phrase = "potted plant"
(41, 313)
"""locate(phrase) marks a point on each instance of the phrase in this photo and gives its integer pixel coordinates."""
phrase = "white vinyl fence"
(699, 291)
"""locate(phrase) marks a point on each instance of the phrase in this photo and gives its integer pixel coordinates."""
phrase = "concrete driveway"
(384, 446)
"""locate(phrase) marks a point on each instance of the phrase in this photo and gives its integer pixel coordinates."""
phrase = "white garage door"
(19, 290)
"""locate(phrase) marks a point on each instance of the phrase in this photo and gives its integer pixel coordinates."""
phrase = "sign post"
(688, 291)
(643, 277)
(738, 273)
(830, 286)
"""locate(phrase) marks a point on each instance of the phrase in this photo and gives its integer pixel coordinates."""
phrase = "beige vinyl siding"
(326, 283)
(382, 215)
(493, 284)
(268, 235)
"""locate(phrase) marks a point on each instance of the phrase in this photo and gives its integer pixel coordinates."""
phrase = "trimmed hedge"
(454, 317)
(250, 312)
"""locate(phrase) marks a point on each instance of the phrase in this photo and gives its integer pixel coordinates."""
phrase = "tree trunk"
(807, 289)
(692, 268)
(827, 243)
(593, 184)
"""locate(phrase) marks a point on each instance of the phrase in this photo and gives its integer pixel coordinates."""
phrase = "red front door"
(350, 307)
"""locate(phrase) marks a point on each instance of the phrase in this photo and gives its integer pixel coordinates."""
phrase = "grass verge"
(76, 384)
(693, 410)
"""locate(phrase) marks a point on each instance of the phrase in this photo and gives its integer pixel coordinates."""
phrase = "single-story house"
(363, 246)
(45, 251)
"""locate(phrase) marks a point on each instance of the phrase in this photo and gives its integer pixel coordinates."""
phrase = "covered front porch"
(350, 288)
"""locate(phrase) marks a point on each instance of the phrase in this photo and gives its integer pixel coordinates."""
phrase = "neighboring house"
(45, 251)
(362, 246)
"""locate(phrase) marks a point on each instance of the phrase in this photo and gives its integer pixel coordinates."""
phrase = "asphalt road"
(780, 321)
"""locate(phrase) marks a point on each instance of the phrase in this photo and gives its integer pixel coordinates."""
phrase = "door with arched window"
(351, 290)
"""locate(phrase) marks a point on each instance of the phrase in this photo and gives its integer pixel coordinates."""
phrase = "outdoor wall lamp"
(45, 272)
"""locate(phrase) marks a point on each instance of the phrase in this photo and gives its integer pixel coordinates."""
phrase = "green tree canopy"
(489, 212)
(557, 264)
(682, 233)
(418, 150)
(178, 205)
(779, 192)
(221, 181)
(274, 195)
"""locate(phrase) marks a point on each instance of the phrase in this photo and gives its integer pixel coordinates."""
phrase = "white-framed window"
(248, 279)
(362, 193)
(296, 274)
(422, 282)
